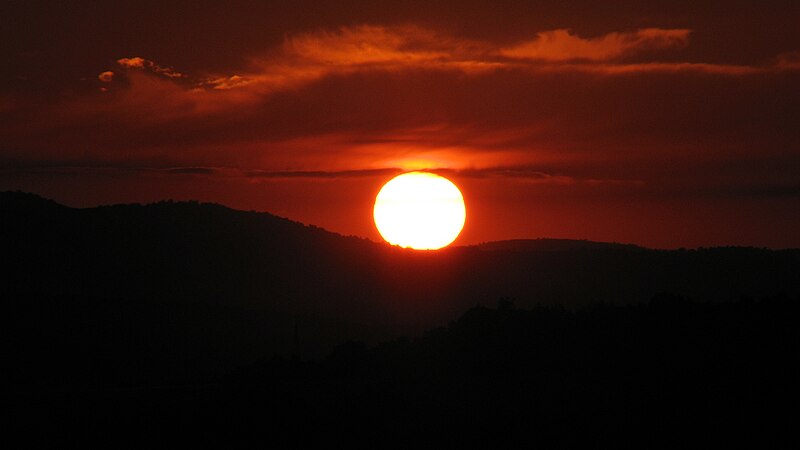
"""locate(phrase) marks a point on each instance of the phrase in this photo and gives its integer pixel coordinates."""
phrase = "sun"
(419, 210)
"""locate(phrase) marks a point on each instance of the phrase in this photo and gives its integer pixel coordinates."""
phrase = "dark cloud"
(321, 173)
(192, 170)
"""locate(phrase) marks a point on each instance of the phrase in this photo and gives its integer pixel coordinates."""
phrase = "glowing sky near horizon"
(628, 122)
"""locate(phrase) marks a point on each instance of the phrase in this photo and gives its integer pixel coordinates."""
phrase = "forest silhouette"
(243, 327)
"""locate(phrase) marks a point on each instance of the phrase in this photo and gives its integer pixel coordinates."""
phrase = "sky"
(664, 124)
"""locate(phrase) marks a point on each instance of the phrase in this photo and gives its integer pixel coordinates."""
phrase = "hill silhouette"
(661, 373)
(179, 292)
(670, 372)
(553, 245)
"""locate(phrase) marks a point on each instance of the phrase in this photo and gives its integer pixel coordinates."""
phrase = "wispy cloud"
(140, 63)
(658, 67)
(369, 45)
(563, 45)
(306, 58)
(527, 174)
(355, 173)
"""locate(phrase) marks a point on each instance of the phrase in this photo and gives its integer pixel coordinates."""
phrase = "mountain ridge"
(201, 288)
(31, 200)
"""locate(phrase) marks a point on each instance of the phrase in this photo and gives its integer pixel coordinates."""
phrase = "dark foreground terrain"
(670, 372)
(187, 323)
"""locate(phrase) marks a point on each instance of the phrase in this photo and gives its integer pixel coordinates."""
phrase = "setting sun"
(419, 210)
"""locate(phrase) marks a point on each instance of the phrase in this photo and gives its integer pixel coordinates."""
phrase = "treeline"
(659, 371)
(668, 372)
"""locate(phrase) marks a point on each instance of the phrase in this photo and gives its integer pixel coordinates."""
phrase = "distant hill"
(553, 245)
(170, 290)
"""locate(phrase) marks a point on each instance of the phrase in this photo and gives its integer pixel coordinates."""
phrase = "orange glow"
(562, 45)
(419, 210)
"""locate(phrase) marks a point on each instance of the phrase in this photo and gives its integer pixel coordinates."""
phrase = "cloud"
(562, 45)
(307, 58)
(366, 45)
(166, 71)
(378, 98)
(140, 63)
(524, 174)
(658, 67)
(132, 63)
(355, 173)
(106, 77)
(192, 170)
(225, 83)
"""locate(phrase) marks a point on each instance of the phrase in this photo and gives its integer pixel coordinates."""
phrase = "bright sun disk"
(419, 210)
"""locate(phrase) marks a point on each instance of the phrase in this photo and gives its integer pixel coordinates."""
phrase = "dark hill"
(182, 290)
(553, 245)
(657, 374)
(665, 373)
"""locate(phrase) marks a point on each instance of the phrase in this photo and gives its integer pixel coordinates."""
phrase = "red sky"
(666, 124)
